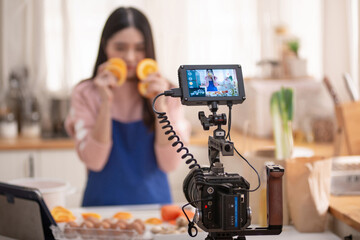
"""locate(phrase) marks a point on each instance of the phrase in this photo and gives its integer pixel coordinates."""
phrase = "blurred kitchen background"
(48, 46)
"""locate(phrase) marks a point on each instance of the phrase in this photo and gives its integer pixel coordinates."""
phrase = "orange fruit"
(61, 214)
(154, 221)
(117, 67)
(170, 212)
(122, 215)
(64, 217)
(189, 213)
(142, 87)
(91, 214)
(146, 67)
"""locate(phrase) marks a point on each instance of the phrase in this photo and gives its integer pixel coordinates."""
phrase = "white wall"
(336, 55)
(1, 43)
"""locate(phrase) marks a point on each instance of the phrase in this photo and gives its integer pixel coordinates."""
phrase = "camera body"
(221, 202)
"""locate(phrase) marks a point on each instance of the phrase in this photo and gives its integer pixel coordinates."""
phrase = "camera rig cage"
(221, 199)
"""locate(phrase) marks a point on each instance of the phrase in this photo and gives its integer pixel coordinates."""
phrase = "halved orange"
(117, 67)
(122, 215)
(61, 214)
(146, 67)
(91, 214)
(59, 209)
(154, 221)
(142, 87)
(64, 217)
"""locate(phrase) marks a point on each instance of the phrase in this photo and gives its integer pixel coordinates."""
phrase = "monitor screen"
(212, 83)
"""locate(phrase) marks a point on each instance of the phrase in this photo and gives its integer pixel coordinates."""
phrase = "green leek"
(281, 108)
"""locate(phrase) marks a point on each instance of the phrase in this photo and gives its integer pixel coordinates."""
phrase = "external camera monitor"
(203, 84)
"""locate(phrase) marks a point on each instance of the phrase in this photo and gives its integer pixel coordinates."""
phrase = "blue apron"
(131, 175)
(211, 87)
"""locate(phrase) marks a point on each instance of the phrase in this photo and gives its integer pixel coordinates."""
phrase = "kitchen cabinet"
(65, 165)
(62, 164)
(16, 164)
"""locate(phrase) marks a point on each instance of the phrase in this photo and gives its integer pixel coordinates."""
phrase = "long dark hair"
(120, 19)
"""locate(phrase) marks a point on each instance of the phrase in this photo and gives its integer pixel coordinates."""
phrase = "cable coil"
(163, 119)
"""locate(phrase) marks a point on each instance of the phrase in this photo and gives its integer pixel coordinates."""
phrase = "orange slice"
(91, 214)
(146, 67)
(61, 214)
(60, 209)
(142, 87)
(154, 221)
(62, 217)
(122, 215)
(117, 67)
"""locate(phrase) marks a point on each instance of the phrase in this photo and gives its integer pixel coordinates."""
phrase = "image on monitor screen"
(212, 83)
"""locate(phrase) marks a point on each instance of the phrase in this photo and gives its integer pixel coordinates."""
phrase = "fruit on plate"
(61, 214)
(153, 221)
(117, 67)
(122, 215)
(189, 213)
(170, 212)
(91, 215)
(145, 67)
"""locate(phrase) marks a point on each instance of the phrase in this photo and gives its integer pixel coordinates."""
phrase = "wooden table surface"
(346, 209)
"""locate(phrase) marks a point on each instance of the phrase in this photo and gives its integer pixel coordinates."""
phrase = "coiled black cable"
(163, 119)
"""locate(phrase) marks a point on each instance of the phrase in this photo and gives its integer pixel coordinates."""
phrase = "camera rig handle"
(274, 195)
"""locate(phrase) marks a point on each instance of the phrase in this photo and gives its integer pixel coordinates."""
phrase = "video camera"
(221, 199)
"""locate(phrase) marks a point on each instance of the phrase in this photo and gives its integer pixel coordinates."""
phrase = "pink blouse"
(127, 107)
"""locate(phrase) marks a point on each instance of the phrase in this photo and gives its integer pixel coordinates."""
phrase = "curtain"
(22, 43)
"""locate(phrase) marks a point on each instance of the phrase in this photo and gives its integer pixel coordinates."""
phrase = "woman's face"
(129, 45)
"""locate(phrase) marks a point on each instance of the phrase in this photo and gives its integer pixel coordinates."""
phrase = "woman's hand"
(157, 84)
(105, 81)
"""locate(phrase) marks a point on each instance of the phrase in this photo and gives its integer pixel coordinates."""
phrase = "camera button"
(210, 215)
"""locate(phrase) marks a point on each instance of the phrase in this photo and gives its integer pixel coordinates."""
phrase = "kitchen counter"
(36, 143)
(343, 208)
(346, 209)
(146, 211)
(246, 143)
(198, 138)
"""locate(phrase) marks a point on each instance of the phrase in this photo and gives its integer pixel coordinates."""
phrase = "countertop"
(36, 144)
(146, 211)
(198, 138)
(346, 209)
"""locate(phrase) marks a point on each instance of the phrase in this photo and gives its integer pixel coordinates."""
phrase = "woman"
(117, 136)
(210, 78)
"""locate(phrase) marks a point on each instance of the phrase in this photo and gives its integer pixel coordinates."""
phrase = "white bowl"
(53, 191)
